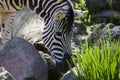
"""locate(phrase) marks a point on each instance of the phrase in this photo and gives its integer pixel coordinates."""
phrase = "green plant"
(86, 17)
(81, 5)
(110, 3)
(101, 64)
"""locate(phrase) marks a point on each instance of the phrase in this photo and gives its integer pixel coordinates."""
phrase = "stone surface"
(79, 13)
(96, 5)
(102, 31)
(79, 34)
(53, 73)
(68, 76)
(104, 11)
(99, 5)
(23, 61)
(106, 16)
(28, 26)
(114, 32)
(74, 1)
(5, 75)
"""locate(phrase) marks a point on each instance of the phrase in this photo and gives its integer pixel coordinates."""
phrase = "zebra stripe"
(58, 17)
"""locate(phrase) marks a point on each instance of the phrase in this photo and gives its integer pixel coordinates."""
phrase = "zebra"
(58, 16)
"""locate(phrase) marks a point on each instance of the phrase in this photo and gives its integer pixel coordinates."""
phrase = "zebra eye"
(60, 16)
(58, 33)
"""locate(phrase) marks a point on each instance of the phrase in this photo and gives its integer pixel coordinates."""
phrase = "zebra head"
(58, 31)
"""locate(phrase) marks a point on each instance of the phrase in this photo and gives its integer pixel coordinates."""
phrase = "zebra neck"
(36, 6)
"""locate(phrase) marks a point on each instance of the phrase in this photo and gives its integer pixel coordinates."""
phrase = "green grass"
(102, 63)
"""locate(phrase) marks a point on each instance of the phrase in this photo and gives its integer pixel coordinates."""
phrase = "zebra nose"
(63, 65)
(67, 55)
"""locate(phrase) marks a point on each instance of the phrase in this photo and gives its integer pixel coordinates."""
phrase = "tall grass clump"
(102, 63)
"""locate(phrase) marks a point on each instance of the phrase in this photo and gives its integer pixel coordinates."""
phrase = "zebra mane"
(69, 28)
(71, 3)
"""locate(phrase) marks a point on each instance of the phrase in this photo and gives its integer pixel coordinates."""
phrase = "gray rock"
(68, 76)
(79, 31)
(106, 16)
(53, 72)
(96, 5)
(79, 28)
(99, 5)
(102, 31)
(106, 13)
(23, 61)
(5, 75)
(114, 33)
(97, 26)
(79, 13)
(28, 25)
(75, 1)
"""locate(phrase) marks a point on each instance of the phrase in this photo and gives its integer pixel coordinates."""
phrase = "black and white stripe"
(57, 33)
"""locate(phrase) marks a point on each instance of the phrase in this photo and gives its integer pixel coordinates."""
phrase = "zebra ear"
(60, 16)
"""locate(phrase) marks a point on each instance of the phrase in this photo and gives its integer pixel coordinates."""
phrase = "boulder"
(5, 75)
(96, 5)
(99, 5)
(104, 11)
(53, 72)
(79, 28)
(75, 1)
(102, 30)
(114, 33)
(23, 61)
(79, 13)
(106, 16)
(79, 34)
(28, 25)
(69, 76)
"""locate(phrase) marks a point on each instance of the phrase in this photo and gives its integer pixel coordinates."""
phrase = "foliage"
(110, 3)
(81, 5)
(86, 18)
(101, 64)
